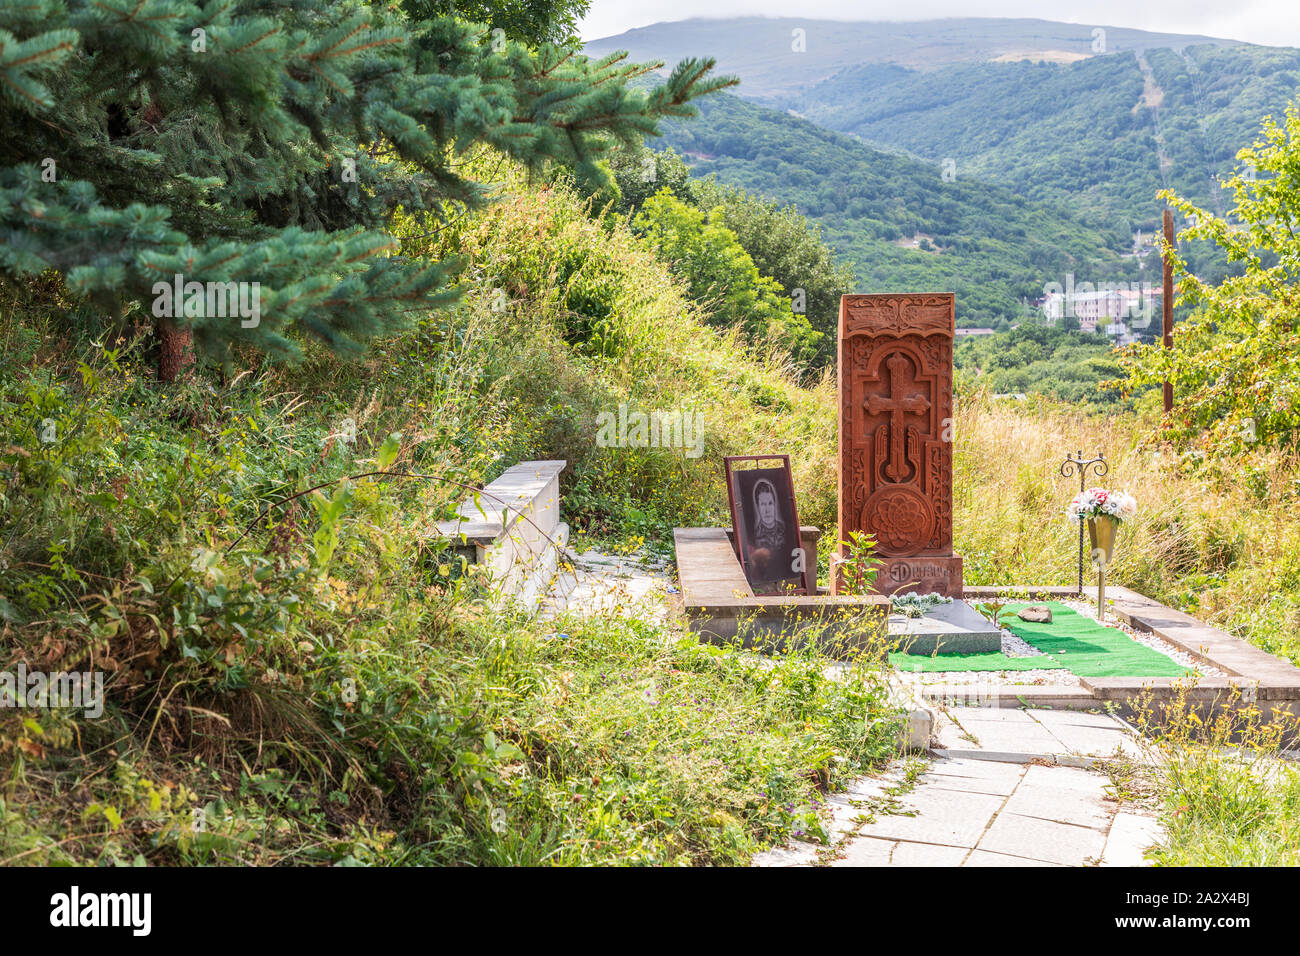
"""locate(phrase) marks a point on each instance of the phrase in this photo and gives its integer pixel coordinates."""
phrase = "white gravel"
(1013, 646)
(1036, 678)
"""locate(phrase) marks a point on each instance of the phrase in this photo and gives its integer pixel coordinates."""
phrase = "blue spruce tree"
(164, 157)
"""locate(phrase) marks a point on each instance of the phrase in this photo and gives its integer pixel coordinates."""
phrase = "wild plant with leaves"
(858, 565)
(915, 604)
(1235, 364)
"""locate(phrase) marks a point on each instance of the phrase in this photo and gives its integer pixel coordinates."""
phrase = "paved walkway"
(1003, 787)
(594, 583)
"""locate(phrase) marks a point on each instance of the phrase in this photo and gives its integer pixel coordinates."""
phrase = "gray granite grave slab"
(955, 628)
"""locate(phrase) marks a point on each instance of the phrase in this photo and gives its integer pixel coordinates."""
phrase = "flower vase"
(1102, 531)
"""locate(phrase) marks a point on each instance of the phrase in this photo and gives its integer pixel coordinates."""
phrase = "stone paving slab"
(1131, 834)
(1073, 718)
(985, 858)
(1094, 742)
(997, 735)
(995, 807)
(927, 854)
(871, 851)
(950, 817)
(989, 715)
(1041, 733)
(1065, 778)
(974, 769)
(867, 852)
(1001, 783)
(1059, 806)
(1008, 756)
(1044, 840)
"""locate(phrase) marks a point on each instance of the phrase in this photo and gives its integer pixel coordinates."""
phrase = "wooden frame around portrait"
(763, 547)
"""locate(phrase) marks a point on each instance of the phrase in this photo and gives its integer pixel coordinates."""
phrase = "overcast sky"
(1272, 22)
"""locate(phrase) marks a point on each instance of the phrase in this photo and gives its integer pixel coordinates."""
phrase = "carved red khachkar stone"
(896, 436)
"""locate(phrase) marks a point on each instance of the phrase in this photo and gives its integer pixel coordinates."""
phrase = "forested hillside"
(1091, 134)
(1035, 359)
(896, 219)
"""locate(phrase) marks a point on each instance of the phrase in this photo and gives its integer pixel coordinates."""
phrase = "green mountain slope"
(1104, 133)
(1100, 117)
(896, 219)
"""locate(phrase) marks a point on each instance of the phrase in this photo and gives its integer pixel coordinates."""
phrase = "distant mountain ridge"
(760, 50)
(1103, 134)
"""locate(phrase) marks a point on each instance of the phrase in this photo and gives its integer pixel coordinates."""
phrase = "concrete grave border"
(718, 603)
(513, 531)
(1260, 678)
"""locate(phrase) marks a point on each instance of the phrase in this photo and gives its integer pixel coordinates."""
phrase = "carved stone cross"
(897, 404)
(895, 379)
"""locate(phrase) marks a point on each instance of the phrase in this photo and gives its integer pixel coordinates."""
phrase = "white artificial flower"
(1099, 502)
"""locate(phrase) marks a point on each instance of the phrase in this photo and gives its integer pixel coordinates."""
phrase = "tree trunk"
(175, 350)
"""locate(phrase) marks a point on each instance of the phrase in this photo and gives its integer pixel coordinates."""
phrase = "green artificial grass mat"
(1089, 649)
(1071, 642)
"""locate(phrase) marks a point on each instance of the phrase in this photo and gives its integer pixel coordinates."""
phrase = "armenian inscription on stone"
(895, 364)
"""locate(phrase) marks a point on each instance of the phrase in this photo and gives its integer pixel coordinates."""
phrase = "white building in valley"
(1114, 309)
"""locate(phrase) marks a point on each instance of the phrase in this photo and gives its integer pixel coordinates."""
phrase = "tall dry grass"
(1220, 539)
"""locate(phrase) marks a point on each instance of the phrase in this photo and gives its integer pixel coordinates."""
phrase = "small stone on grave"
(1036, 614)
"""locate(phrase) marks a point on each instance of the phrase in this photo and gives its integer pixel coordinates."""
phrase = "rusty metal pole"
(1167, 301)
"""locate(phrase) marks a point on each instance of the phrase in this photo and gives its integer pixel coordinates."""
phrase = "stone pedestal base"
(940, 575)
